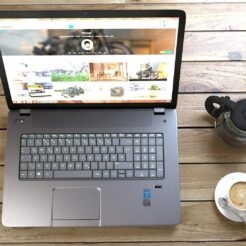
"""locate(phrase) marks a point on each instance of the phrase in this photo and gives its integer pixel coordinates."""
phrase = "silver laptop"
(92, 128)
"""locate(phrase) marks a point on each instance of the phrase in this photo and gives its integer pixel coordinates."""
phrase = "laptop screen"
(89, 60)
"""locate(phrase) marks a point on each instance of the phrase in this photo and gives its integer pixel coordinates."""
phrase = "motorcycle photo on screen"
(93, 41)
(148, 73)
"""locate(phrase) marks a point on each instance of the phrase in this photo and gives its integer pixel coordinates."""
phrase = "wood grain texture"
(210, 46)
(200, 221)
(3, 112)
(191, 109)
(197, 181)
(213, 77)
(200, 16)
(31, 2)
(139, 244)
(204, 146)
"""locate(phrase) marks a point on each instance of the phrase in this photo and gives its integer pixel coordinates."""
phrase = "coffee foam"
(237, 195)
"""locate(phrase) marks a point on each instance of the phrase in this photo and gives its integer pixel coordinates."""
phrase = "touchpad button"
(76, 204)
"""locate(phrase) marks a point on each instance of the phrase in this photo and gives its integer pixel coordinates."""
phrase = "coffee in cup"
(235, 199)
(237, 195)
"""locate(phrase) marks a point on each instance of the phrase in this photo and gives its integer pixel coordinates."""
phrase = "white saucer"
(221, 189)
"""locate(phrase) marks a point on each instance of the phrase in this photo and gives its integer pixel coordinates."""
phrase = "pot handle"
(225, 104)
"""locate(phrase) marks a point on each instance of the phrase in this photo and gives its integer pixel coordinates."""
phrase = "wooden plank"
(213, 77)
(198, 181)
(201, 221)
(210, 46)
(139, 244)
(3, 112)
(200, 16)
(204, 146)
(191, 109)
(30, 2)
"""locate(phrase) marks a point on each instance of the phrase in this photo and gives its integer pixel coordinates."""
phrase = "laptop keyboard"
(92, 156)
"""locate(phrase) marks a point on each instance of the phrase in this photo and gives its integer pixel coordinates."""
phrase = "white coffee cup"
(235, 198)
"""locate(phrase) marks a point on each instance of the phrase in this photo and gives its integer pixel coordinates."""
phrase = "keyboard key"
(102, 165)
(39, 166)
(159, 141)
(23, 142)
(123, 165)
(72, 174)
(23, 166)
(39, 174)
(113, 157)
(126, 141)
(145, 165)
(26, 158)
(105, 174)
(137, 149)
(116, 141)
(137, 165)
(70, 166)
(111, 149)
(119, 149)
(94, 165)
(159, 153)
(63, 166)
(128, 150)
(141, 173)
(152, 165)
(57, 150)
(110, 165)
(86, 165)
(97, 174)
(152, 157)
(151, 141)
(160, 170)
(55, 166)
(113, 174)
(47, 166)
(31, 166)
(25, 150)
(31, 174)
(30, 142)
(23, 174)
(78, 165)
(144, 141)
(129, 173)
(152, 173)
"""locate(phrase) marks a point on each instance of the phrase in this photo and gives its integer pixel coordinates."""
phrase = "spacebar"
(72, 174)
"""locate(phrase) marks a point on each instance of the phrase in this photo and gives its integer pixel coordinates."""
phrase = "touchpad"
(76, 204)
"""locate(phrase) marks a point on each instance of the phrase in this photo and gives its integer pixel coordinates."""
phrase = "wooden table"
(213, 63)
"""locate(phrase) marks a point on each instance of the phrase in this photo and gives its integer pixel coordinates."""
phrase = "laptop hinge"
(159, 110)
(25, 111)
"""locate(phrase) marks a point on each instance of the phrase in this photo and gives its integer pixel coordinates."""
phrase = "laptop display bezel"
(100, 14)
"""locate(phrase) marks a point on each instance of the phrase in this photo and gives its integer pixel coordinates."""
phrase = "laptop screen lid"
(91, 58)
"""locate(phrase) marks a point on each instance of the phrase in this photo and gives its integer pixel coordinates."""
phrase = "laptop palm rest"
(76, 206)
